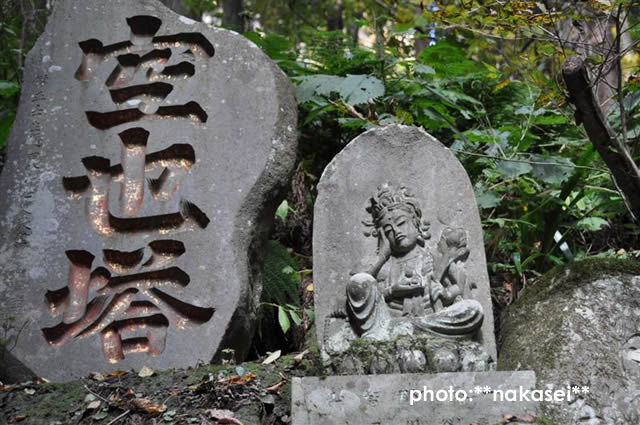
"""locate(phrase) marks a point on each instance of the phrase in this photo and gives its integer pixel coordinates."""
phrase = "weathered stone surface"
(579, 326)
(397, 245)
(407, 354)
(386, 399)
(146, 162)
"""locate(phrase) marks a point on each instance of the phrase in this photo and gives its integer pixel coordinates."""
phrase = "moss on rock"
(573, 328)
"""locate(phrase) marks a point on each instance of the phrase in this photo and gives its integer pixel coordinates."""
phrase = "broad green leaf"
(550, 120)
(309, 313)
(631, 101)
(283, 210)
(288, 270)
(512, 169)
(358, 89)
(8, 88)
(486, 199)
(424, 69)
(592, 223)
(283, 319)
(294, 316)
(447, 59)
(5, 128)
(552, 174)
(354, 123)
(517, 263)
(352, 89)
(402, 28)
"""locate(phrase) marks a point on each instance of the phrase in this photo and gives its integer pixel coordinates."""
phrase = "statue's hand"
(384, 249)
(406, 287)
(437, 290)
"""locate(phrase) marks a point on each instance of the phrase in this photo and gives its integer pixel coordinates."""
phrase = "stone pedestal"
(413, 399)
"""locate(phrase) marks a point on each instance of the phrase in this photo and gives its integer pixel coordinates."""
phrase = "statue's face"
(400, 230)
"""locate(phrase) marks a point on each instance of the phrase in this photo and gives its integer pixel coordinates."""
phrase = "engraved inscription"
(127, 297)
(173, 164)
(115, 306)
(143, 71)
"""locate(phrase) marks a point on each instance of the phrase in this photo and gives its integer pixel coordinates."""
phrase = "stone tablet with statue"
(399, 266)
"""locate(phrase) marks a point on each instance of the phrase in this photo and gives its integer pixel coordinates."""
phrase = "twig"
(555, 28)
(23, 37)
(526, 161)
(119, 417)
(352, 111)
(623, 118)
(97, 395)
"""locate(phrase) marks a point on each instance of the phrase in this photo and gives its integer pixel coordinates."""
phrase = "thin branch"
(119, 417)
(555, 29)
(526, 161)
(97, 395)
(623, 118)
(23, 37)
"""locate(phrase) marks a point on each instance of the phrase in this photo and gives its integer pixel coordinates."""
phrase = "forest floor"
(251, 393)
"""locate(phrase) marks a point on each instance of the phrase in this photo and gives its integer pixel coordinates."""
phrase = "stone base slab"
(412, 399)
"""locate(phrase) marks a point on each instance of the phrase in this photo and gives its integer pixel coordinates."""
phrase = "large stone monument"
(144, 167)
(579, 326)
(401, 287)
(399, 258)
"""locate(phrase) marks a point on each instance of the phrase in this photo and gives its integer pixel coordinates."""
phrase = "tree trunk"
(232, 15)
(594, 37)
(615, 154)
(335, 22)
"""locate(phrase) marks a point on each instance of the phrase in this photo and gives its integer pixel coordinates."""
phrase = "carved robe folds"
(406, 298)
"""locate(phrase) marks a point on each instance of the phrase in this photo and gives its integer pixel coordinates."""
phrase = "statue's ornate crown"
(390, 197)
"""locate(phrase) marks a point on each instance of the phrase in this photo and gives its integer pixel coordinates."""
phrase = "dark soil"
(251, 393)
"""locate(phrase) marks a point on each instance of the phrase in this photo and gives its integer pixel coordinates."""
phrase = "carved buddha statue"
(408, 288)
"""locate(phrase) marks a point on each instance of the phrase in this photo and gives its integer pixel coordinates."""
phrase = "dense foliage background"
(483, 76)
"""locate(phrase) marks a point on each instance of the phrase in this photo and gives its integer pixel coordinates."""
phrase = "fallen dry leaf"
(6, 388)
(130, 393)
(275, 388)
(96, 376)
(148, 405)
(272, 357)
(232, 421)
(118, 373)
(40, 381)
(310, 287)
(145, 372)
(94, 405)
(527, 418)
(223, 416)
(19, 418)
(299, 356)
(115, 398)
(219, 413)
(239, 379)
(507, 417)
